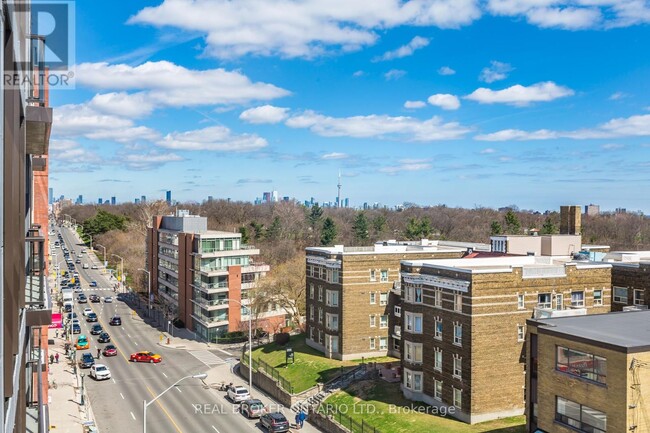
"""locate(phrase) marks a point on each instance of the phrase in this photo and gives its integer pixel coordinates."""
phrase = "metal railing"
(274, 373)
(346, 421)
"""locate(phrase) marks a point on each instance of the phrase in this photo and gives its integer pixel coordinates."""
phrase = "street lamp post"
(82, 389)
(121, 271)
(145, 404)
(104, 248)
(250, 342)
(149, 289)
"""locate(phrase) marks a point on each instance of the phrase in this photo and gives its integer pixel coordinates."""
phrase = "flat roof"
(219, 233)
(397, 247)
(624, 329)
(504, 263)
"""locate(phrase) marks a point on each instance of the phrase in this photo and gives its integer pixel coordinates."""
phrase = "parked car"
(76, 328)
(274, 422)
(71, 316)
(96, 329)
(87, 360)
(145, 357)
(93, 283)
(100, 372)
(82, 342)
(238, 394)
(67, 308)
(91, 317)
(110, 350)
(252, 408)
(93, 267)
(115, 321)
(104, 337)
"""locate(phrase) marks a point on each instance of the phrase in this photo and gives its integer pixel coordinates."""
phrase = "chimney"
(570, 220)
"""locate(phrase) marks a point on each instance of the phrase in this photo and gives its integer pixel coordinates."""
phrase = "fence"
(258, 365)
(349, 423)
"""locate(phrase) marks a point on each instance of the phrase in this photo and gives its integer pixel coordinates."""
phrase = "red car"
(110, 350)
(145, 357)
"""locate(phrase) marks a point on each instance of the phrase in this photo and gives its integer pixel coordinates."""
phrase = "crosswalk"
(206, 357)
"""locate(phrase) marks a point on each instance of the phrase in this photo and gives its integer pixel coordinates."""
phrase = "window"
(413, 380)
(577, 299)
(373, 276)
(437, 331)
(437, 359)
(397, 330)
(308, 272)
(332, 321)
(397, 311)
(383, 299)
(638, 297)
(458, 302)
(320, 315)
(334, 277)
(413, 294)
(598, 297)
(413, 352)
(383, 343)
(332, 343)
(458, 334)
(544, 300)
(372, 343)
(332, 298)
(521, 333)
(373, 322)
(311, 291)
(437, 390)
(437, 298)
(417, 382)
(458, 397)
(320, 337)
(384, 276)
(413, 323)
(311, 312)
(311, 333)
(320, 293)
(458, 367)
(383, 321)
(620, 295)
(396, 345)
(521, 302)
(580, 417)
(373, 298)
(581, 364)
(559, 301)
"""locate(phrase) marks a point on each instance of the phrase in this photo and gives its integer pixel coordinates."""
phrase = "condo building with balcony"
(204, 277)
(464, 325)
(351, 310)
(630, 279)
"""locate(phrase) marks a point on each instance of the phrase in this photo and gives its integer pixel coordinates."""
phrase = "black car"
(91, 317)
(94, 298)
(104, 337)
(275, 422)
(78, 261)
(96, 329)
(67, 308)
(76, 328)
(87, 360)
(115, 321)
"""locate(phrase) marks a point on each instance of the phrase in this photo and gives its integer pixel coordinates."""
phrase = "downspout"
(2, 239)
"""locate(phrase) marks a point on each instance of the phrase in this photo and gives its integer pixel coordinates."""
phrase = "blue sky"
(469, 103)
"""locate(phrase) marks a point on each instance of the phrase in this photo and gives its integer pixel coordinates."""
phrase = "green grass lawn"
(310, 366)
(378, 403)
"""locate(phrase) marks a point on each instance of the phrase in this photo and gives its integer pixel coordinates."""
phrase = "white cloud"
(633, 126)
(407, 165)
(444, 101)
(415, 44)
(358, 74)
(147, 161)
(212, 138)
(617, 95)
(612, 146)
(335, 155)
(300, 28)
(379, 126)
(123, 104)
(69, 151)
(519, 95)
(446, 70)
(495, 72)
(394, 74)
(568, 18)
(264, 114)
(488, 151)
(415, 104)
(168, 84)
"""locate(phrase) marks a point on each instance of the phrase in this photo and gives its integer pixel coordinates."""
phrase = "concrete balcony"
(38, 128)
(255, 268)
(210, 322)
(211, 304)
(244, 250)
(38, 303)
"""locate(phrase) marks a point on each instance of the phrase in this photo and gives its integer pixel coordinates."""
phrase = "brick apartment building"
(350, 299)
(630, 279)
(588, 373)
(195, 272)
(464, 325)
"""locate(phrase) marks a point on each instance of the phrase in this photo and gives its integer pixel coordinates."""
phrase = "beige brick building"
(589, 373)
(464, 323)
(630, 279)
(349, 309)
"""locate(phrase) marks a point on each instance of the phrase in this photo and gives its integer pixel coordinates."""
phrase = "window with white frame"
(332, 321)
(620, 295)
(413, 380)
(521, 333)
(458, 334)
(320, 315)
(332, 298)
(437, 298)
(373, 321)
(598, 297)
(308, 272)
(458, 397)
(397, 311)
(373, 275)
(383, 343)
(332, 343)
(383, 299)
(320, 337)
(544, 300)
(320, 293)
(638, 297)
(437, 330)
(373, 298)
(311, 333)
(396, 345)
(311, 291)
(458, 302)
(372, 343)
(437, 390)
(311, 312)
(335, 276)
(417, 382)
(413, 323)
(437, 359)
(521, 301)
(577, 299)
(383, 321)
(413, 352)
(397, 330)
(579, 417)
(384, 276)
(458, 367)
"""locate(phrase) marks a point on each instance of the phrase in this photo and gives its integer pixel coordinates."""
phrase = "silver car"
(100, 372)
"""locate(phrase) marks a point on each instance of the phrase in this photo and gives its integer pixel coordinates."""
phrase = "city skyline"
(478, 104)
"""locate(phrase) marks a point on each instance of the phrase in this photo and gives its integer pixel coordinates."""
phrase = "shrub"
(281, 339)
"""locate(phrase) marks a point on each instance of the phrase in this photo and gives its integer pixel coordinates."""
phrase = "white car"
(83, 251)
(87, 311)
(93, 267)
(108, 299)
(238, 394)
(100, 372)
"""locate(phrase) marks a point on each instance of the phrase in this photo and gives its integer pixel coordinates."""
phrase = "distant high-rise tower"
(210, 198)
(137, 201)
(274, 196)
(168, 198)
(143, 199)
(338, 196)
(80, 199)
(50, 199)
(570, 221)
(113, 201)
(592, 210)
(100, 201)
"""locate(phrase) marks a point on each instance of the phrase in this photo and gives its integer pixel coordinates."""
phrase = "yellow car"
(82, 342)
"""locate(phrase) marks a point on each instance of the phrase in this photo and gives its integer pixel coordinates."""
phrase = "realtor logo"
(51, 20)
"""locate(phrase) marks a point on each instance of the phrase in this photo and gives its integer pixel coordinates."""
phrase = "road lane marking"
(122, 395)
(215, 429)
(164, 410)
(127, 334)
(132, 416)
(163, 374)
(114, 381)
(178, 389)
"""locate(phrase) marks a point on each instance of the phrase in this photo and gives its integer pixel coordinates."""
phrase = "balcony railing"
(207, 303)
(37, 297)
